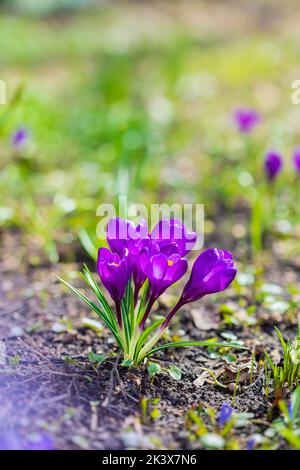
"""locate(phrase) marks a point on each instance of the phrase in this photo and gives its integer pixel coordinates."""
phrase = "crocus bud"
(114, 272)
(296, 159)
(273, 164)
(246, 119)
(212, 272)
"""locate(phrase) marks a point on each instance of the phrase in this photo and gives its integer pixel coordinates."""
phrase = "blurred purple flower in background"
(19, 137)
(246, 119)
(296, 159)
(225, 414)
(273, 164)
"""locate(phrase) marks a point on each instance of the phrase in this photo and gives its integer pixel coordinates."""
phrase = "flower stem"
(119, 314)
(147, 312)
(169, 317)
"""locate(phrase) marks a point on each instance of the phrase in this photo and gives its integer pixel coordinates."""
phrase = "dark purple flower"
(225, 414)
(296, 159)
(245, 119)
(162, 271)
(19, 137)
(121, 234)
(213, 271)
(124, 237)
(172, 237)
(114, 272)
(273, 164)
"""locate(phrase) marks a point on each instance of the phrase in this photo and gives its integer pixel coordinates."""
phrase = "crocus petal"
(172, 236)
(114, 272)
(159, 266)
(176, 271)
(212, 272)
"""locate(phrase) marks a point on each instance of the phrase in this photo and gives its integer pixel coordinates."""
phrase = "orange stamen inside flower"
(170, 263)
(115, 264)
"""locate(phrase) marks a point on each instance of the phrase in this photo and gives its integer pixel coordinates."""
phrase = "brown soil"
(83, 406)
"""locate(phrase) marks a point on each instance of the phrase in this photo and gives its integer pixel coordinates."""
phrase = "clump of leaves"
(138, 270)
(287, 373)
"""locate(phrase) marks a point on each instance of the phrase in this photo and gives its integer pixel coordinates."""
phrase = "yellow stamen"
(170, 263)
(115, 264)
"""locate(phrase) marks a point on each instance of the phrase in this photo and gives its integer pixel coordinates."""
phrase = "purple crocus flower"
(213, 271)
(19, 137)
(162, 271)
(273, 164)
(172, 237)
(225, 414)
(245, 119)
(124, 237)
(114, 272)
(296, 159)
(121, 234)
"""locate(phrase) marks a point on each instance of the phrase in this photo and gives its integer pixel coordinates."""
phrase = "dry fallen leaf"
(203, 321)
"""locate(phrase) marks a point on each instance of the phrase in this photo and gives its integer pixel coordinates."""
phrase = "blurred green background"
(137, 97)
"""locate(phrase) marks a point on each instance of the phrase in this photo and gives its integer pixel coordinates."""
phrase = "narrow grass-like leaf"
(271, 364)
(145, 335)
(88, 278)
(281, 339)
(87, 243)
(182, 344)
(143, 302)
(94, 307)
(125, 306)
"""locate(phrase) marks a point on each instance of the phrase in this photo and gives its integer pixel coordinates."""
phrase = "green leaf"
(145, 335)
(127, 363)
(181, 344)
(92, 357)
(174, 372)
(143, 301)
(87, 243)
(153, 369)
(94, 307)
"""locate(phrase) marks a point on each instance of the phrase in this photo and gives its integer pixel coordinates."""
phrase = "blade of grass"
(182, 344)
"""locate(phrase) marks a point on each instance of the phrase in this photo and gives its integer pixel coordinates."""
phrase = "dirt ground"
(48, 384)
